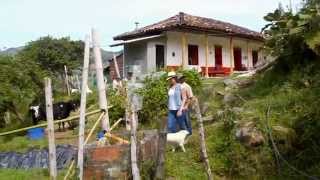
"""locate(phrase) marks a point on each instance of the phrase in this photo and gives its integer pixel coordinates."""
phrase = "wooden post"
(202, 139)
(134, 165)
(83, 105)
(103, 104)
(116, 67)
(67, 79)
(49, 113)
(207, 54)
(162, 141)
(231, 55)
(183, 48)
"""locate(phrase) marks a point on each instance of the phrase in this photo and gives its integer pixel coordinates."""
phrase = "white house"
(188, 41)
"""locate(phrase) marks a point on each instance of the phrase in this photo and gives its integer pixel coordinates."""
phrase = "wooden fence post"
(103, 104)
(162, 141)
(116, 67)
(67, 79)
(52, 147)
(134, 164)
(202, 139)
(83, 105)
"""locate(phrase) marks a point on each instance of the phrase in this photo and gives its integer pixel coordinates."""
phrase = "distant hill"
(106, 55)
(10, 51)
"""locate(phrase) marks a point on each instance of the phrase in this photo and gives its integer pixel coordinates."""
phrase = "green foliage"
(52, 54)
(287, 31)
(154, 95)
(117, 100)
(20, 85)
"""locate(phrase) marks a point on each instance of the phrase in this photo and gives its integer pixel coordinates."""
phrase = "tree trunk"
(202, 140)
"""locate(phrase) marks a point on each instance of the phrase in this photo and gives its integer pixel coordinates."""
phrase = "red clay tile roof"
(185, 22)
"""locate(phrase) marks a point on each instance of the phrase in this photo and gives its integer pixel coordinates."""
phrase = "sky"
(26, 20)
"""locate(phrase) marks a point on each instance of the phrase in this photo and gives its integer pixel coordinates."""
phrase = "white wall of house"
(151, 52)
(174, 45)
(143, 53)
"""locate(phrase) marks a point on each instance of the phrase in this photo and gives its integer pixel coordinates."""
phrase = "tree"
(20, 84)
(53, 53)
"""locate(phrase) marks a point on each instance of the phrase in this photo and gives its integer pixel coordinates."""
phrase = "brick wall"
(113, 161)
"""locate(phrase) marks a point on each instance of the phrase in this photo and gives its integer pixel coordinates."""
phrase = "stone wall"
(113, 161)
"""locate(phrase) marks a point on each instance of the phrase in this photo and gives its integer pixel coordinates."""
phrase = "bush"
(155, 97)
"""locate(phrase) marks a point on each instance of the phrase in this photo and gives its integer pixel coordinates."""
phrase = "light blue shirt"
(174, 100)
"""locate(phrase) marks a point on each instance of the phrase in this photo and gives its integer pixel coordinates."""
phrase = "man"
(189, 95)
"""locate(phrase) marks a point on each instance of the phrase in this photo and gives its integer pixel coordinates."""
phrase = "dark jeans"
(188, 121)
(174, 121)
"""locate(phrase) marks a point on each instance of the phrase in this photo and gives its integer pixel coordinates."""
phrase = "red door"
(237, 59)
(218, 56)
(193, 55)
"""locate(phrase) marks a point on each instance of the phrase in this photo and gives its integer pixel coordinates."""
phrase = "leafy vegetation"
(154, 95)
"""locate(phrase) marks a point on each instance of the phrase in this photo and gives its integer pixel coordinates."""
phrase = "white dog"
(178, 139)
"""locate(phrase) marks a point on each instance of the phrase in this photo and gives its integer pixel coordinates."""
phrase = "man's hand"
(179, 113)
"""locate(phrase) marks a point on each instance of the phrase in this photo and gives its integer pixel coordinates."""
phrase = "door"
(218, 56)
(237, 59)
(254, 57)
(159, 56)
(193, 57)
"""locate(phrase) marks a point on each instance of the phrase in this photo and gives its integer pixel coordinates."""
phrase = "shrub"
(154, 95)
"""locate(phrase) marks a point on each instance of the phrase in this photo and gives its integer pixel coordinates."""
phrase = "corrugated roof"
(186, 22)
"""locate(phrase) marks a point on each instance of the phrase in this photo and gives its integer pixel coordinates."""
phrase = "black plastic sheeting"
(37, 158)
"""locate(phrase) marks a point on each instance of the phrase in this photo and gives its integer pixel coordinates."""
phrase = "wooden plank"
(83, 105)
(49, 113)
(103, 104)
(207, 54)
(202, 139)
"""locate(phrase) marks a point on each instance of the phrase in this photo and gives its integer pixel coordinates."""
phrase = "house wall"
(135, 54)
(151, 53)
(143, 53)
(174, 45)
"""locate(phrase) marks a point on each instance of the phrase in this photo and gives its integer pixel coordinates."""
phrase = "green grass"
(21, 144)
(18, 174)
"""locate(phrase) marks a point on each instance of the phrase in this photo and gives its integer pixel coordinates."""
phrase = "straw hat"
(171, 74)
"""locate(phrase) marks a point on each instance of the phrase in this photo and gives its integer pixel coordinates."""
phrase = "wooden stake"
(134, 164)
(49, 113)
(103, 104)
(116, 66)
(67, 79)
(83, 105)
(202, 139)
(162, 141)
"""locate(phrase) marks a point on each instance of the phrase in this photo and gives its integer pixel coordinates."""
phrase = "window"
(193, 57)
